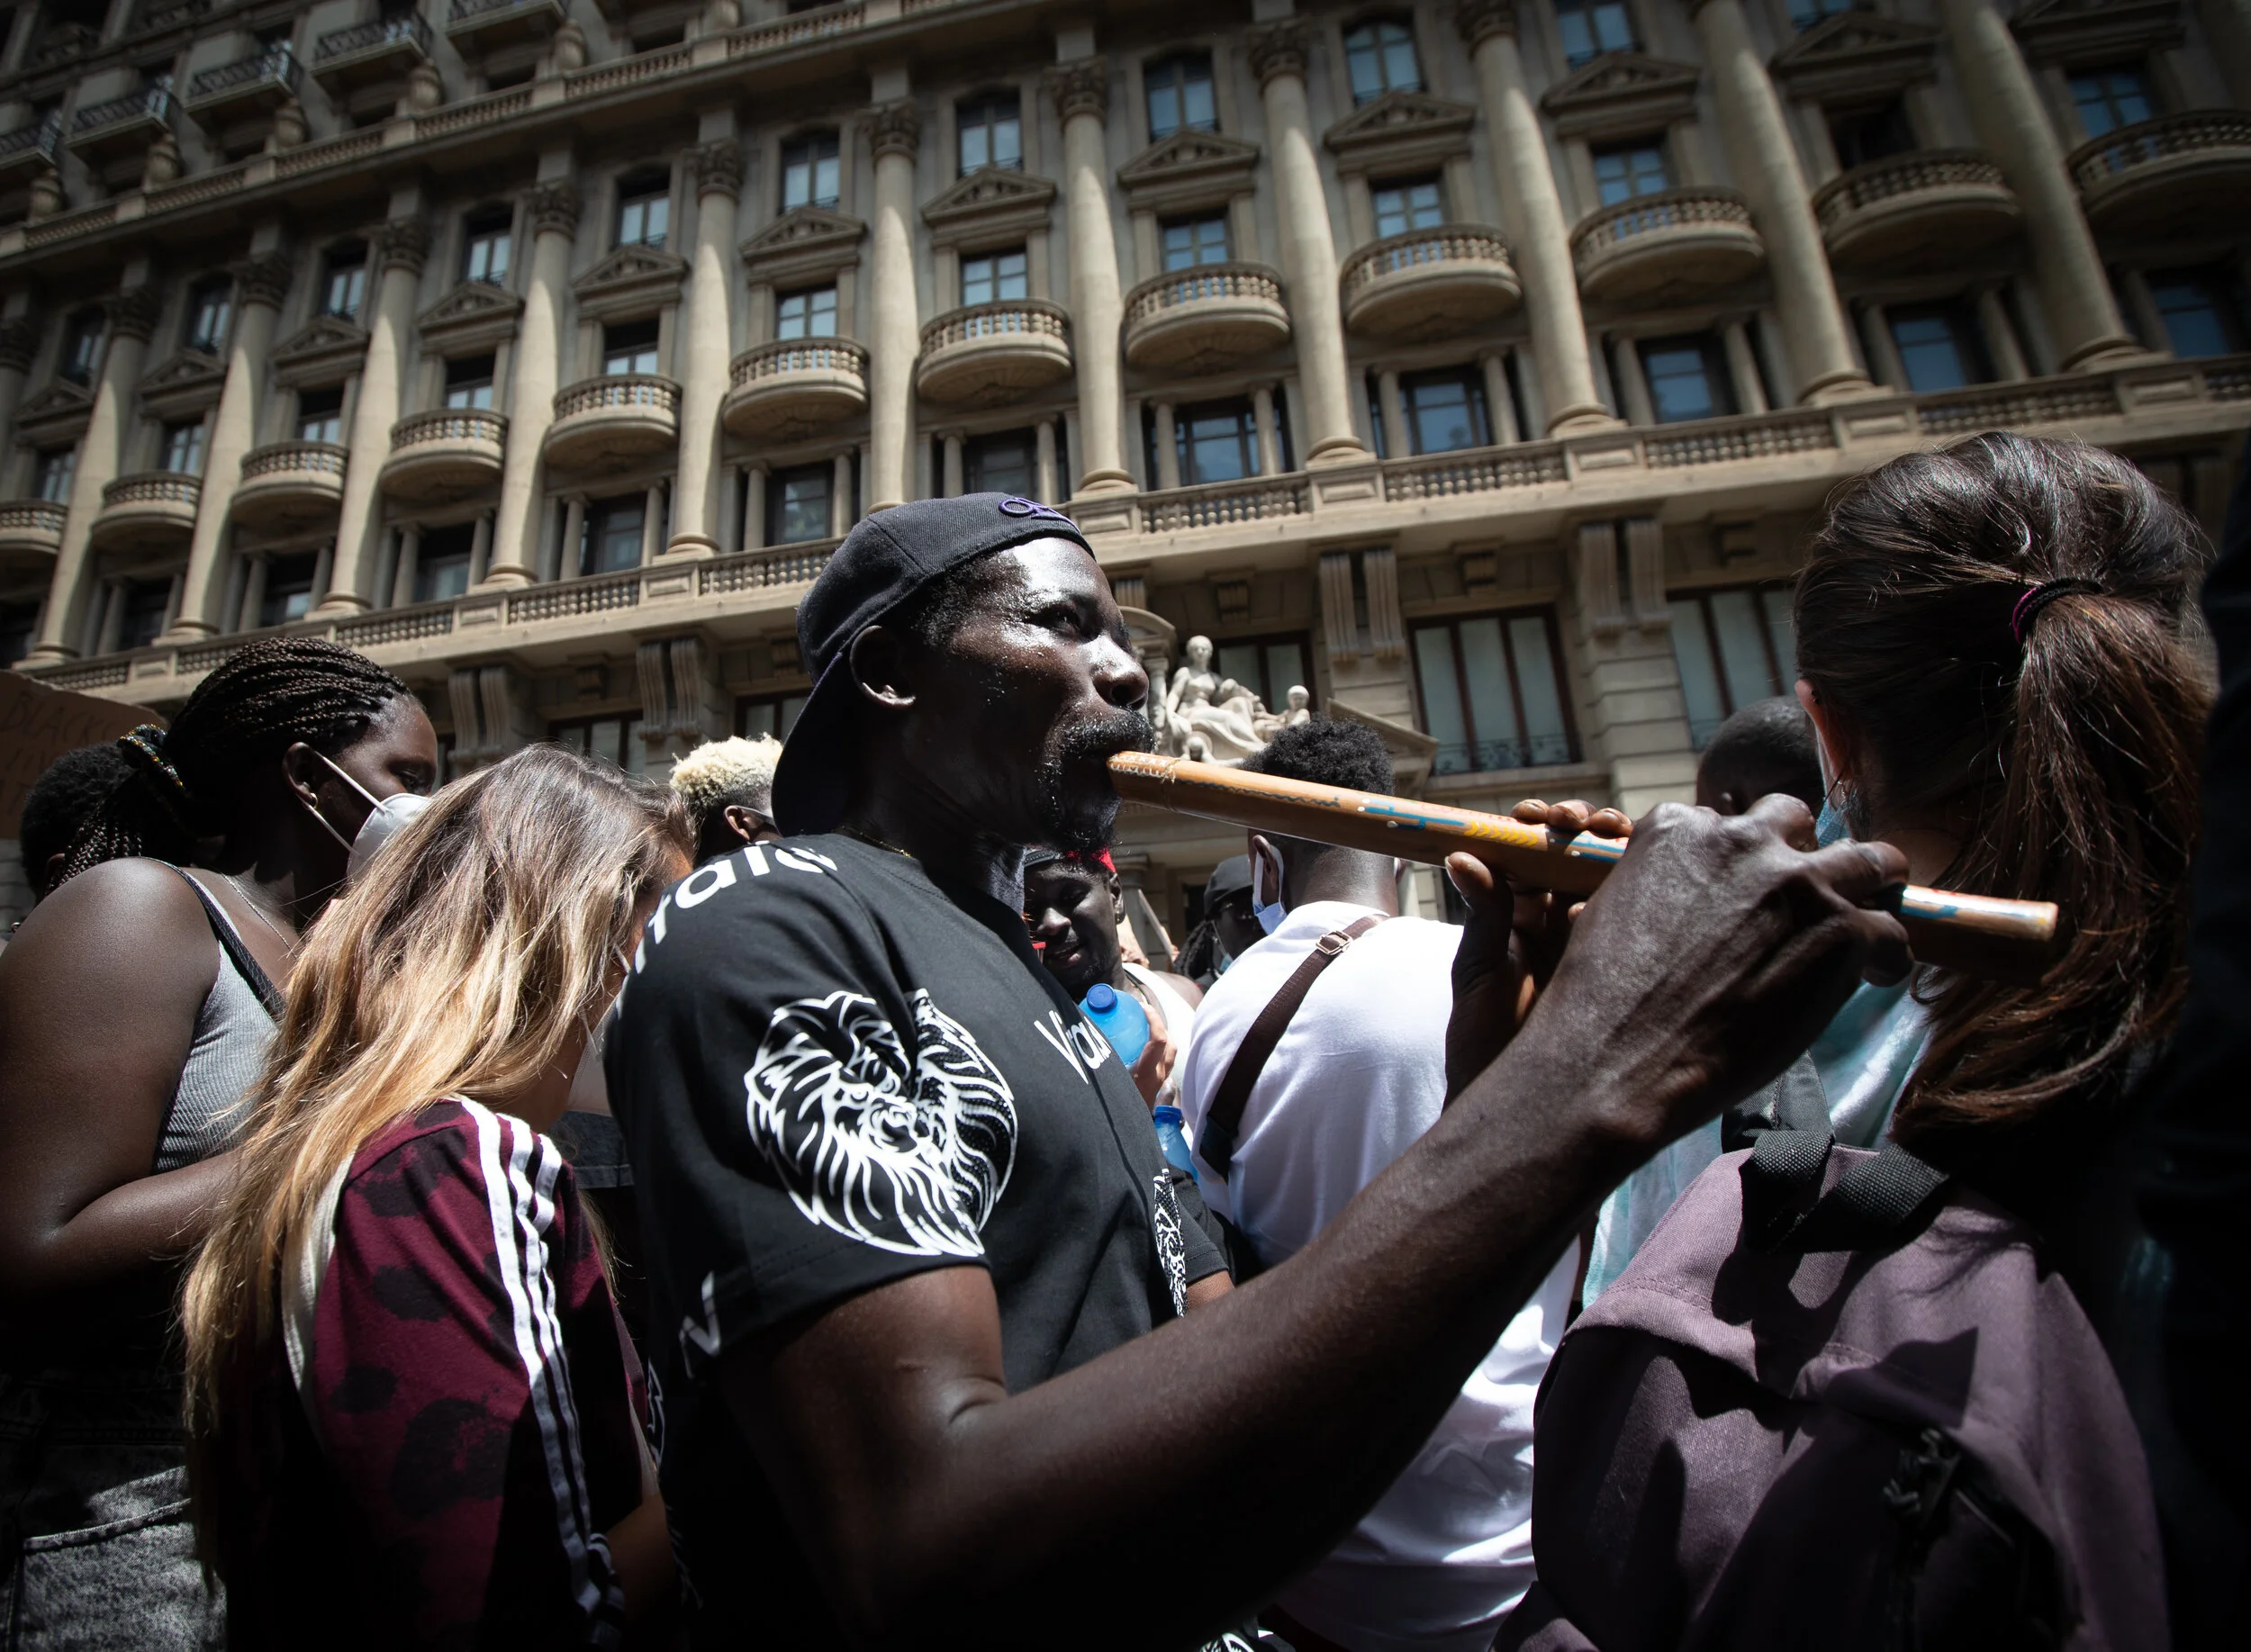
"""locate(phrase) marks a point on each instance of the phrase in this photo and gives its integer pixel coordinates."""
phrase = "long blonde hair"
(474, 948)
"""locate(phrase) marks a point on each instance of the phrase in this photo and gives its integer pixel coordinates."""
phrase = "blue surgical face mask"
(1831, 827)
(1269, 913)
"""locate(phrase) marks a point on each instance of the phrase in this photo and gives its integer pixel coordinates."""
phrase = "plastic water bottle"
(1171, 1140)
(1119, 1019)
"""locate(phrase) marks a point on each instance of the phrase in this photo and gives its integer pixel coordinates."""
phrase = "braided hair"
(262, 700)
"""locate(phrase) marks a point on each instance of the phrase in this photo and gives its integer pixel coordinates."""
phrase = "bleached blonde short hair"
(723, 771)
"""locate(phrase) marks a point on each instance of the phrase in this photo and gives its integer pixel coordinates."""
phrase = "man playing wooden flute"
(938, 1346)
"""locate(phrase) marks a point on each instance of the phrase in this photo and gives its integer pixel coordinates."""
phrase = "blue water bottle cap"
(1166, 1115)
(1100, 999)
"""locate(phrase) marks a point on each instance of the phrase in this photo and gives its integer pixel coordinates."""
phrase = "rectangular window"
(613, 534)
(2199, 312)
(469, 381)
(209, 307)
(767, 714)
(2109, 98)
(810, 175)
(644, 209)
(1003, 463)
(1380, 58)
(797, 505)
(484, 247)
(1216, 442)
(1446, 411)
(1592, 27)
(51, 476)
(1269, 666)
(1180, 95)
(1734, 648)
(183, 451)
(1938, 346)
(321, 415)
(288, 589)
(809, 314)
(1411, 204)
(19, 629)
(1687, 376)
(1624, 170)
(441, 567)
(344, 281)
(991, 133)
(614, 740)
(994, 276)
(82, 346)
(628, 346)
(1872, 134)
(1191, 242)
(1492, 692)
(148, 605)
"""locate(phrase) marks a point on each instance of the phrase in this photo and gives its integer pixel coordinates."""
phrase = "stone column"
(840, 496)
(730, 504)
(711, 336)
(481, 548)
(410, 565)
(1278, 56)
(263, 286)
(1633, 383)
(950, 472)
(1269, 433)
(1392, 411)
(1765, 159)
(401, 247)
(323, 568)
(532, 369)
(132, 317)
(1043, 474)
(19, 343)
(651, 523)
(1742, 367)
(894, 332)
(2001, 334)
(754, 508)
(1081, 90)
(1500, 407)
(572, 560)
(253, 595)
(2013, 124)
(1876, 331)
(1531, 215)
(1168, 447)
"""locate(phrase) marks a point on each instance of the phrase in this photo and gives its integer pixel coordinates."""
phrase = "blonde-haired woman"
(413, 1416)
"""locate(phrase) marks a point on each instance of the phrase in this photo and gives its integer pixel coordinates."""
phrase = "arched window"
(1380, 55)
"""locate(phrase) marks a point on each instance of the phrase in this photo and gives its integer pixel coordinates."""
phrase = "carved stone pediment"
(1856, 55)
(1622, 95)
(55, 415)
(2086, 34)
(1189, 169)
(807, 244)
(994, 201)
(1401, 129)
(188, 382)
(325, 349)
(630, 280)
(473, 314)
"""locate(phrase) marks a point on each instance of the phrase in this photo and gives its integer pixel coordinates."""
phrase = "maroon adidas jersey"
(473, 1405)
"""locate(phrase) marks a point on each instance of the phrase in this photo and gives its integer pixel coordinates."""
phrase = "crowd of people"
(804, 1203)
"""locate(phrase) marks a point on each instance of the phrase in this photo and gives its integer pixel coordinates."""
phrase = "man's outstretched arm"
(942, 1508)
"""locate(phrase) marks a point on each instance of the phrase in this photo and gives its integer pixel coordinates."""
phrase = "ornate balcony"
(366, 66)
(1204, 316)
(114, 138)
(290, 485)
(794, 386)
(251, 86)
(30, 532)
(989, 354)
(1672, 243)
(446, 454)
(478, 28)
(1429, 283)
(2178, 172)
(1905, 209)
(603, 423)
(30, 149)
(152, 511)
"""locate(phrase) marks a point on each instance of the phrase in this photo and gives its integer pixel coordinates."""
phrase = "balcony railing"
(277, 68)
(1654, 214)
(448, 424)
(151, 104)
(24, 520)
(1481, 756)
(1451, 243)
(1215, 504)
(616, 393)
(42, 137)
(1200, 284)
(410, 29)
(998, 319)
(1917, 173)
(168, 13)
(153, 487)
(788, 355)
(2201, 131)
(295, 458)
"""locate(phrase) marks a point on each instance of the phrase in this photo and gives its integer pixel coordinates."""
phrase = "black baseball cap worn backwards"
(885, 560)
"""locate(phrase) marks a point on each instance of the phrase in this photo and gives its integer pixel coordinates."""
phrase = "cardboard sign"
(39, 724)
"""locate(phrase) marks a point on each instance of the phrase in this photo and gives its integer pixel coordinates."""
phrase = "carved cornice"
(992, 200)
(1278, 49)
(1080, 88)
(1478, 20)
(717, 167)
(1857, 55)
(1401, 129)
(472, 314)
(187, 384)
(894, 128)
(1622, 95)
(56, 414)
(1189, 169)
(2085, 33)
(19, 340)
(403, 243)
(266, 281)
(132, 313)
(632, 280)
(804, 245)
(553, 207)
(323, 351)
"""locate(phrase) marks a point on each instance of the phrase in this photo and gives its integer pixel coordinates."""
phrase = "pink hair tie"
(2037, 597)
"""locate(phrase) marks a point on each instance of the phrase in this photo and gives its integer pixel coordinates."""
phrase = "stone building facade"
(1477, 366)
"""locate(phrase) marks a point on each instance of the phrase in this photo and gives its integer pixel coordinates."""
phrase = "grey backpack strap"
(1873, 1207)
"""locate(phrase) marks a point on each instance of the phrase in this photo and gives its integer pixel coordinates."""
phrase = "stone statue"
(1204, 710)
(1270, 722)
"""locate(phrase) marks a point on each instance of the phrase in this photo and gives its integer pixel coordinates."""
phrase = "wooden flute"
(2009, 940)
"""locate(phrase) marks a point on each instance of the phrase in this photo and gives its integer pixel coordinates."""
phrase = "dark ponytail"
(2066, 762)
(260, 701)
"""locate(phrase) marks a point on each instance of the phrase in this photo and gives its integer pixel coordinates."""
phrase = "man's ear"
(881, 667)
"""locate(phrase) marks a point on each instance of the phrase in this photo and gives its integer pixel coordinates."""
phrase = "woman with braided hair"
(136, 1005)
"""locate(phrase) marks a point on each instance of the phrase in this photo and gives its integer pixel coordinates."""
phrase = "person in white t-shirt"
(1357, 1075)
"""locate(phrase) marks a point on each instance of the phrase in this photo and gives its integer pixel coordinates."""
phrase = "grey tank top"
(234, 1028)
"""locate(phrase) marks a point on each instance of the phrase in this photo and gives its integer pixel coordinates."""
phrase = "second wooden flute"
(2001, 940)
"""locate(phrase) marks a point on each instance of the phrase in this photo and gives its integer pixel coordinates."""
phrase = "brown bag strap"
(1216, 1143)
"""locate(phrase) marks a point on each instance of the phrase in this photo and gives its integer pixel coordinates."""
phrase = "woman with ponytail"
(413, 1414)
(136, 1006)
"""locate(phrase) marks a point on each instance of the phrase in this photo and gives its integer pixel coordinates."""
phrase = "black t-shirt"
(833, 1071)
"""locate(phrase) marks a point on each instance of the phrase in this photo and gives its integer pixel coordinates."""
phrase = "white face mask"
(384, 823)
(1269, 913)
